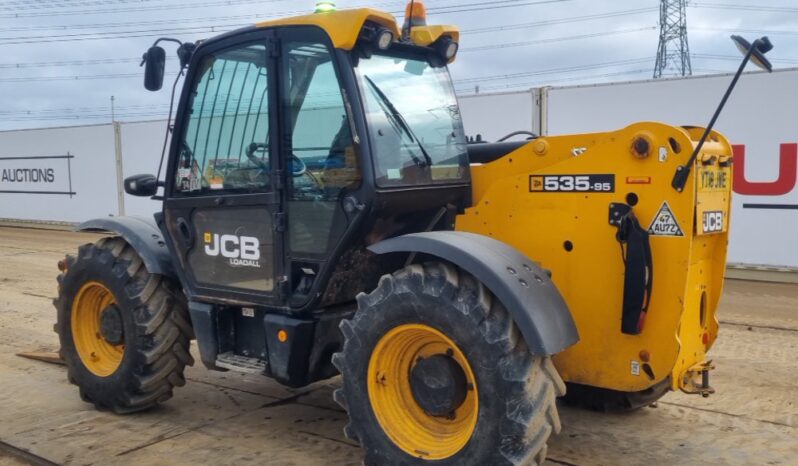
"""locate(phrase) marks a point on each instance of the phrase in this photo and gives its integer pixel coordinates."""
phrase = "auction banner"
(37, 175)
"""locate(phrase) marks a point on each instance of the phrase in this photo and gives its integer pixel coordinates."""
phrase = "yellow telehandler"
(323, 213)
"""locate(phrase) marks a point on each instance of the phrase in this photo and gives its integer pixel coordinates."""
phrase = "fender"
(520, 284)
(143, 235)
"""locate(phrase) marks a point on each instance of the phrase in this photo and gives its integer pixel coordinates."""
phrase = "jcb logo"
(713, 221)
(241, 250)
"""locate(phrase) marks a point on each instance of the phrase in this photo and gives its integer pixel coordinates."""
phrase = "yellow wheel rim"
(99, 356)
(399, 414)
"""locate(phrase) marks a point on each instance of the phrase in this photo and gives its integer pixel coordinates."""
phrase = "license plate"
(712, 199)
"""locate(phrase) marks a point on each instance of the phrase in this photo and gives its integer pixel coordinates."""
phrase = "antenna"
(673, 52)
(408, 26)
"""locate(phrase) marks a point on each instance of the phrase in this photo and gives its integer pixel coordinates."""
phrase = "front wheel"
(124, 332)
(435, 370)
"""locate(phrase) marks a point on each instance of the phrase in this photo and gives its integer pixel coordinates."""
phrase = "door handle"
(186, 232)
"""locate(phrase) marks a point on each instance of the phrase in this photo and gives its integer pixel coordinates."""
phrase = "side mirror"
(154, 61)
(141, 185)
(757, 50)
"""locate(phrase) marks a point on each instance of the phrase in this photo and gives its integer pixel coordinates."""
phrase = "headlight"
(384, 39)
(446, 48)
(451, 50)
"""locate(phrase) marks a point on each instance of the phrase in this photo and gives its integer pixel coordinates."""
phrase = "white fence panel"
(58, 174)
(495, 115)
(142, 143)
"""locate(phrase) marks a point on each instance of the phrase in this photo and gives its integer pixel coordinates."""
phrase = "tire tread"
(531, 415)
(162, 328)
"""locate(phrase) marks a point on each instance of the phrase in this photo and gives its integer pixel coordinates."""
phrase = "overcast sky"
(62, 60)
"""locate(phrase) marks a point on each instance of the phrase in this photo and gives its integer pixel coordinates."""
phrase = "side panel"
(520, 284)
(551, 200)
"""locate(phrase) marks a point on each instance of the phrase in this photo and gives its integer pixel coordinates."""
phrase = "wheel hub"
(111, 327)
(95, 322)
(422, 391)
(438, 384)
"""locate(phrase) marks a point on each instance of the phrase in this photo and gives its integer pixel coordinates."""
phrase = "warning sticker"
(664, 223)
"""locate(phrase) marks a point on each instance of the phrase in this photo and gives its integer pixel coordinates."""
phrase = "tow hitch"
(695, 380)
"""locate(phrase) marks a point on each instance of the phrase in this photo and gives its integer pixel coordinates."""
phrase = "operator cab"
(298, 143)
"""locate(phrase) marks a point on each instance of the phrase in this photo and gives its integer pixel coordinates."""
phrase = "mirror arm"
(683, 171)
(184, 50)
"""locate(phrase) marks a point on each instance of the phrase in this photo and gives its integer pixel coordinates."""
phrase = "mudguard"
(520, 284)
(141, 233)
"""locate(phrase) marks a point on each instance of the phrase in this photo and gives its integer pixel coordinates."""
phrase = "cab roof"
(344, 26)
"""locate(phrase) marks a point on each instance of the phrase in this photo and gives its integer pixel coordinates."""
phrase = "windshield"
(414, 122)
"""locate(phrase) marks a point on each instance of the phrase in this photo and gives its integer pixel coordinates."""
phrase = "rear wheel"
(124, 332)
(435, 370)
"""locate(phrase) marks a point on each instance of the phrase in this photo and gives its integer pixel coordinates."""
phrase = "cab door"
(222, 210)
(322, 162)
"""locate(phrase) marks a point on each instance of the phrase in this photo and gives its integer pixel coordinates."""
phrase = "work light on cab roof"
(325, 6)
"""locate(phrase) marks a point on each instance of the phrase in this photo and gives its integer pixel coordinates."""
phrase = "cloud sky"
(62, 60)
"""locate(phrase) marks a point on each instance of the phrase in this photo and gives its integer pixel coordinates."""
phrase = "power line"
(492, 6)
(180, 20)
(55, 64)
(134, 75)
(115, 34)
(140, 110)
(528, 84)
(556, 39)
(138, 9)
(735, 58)
(722, 6)
(219, 19)
(43, 5)
(483, 78)
(112, 25)
(468, 7)
(552, 70)
(69, 78)
(99, 115)
(748, 31)
(68, 110)
(105, 61)
(573, 19)
(217, 28)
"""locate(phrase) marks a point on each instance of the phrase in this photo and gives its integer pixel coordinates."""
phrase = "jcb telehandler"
(319, 179)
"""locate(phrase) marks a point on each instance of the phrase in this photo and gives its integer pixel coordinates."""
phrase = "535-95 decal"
(572, 183)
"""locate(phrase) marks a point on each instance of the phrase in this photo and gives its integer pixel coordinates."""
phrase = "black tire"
(609, 401)
(154, 319)
(517, 391)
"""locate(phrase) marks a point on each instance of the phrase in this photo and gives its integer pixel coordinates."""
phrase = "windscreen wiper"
(400, 120)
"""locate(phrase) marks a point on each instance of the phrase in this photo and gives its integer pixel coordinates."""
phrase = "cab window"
(321, 156)
(414, 121)
(225, 146)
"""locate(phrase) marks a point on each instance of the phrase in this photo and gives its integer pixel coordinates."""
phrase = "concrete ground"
(227, 418)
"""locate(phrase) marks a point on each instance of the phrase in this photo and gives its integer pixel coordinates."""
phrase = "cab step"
(235, 362)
